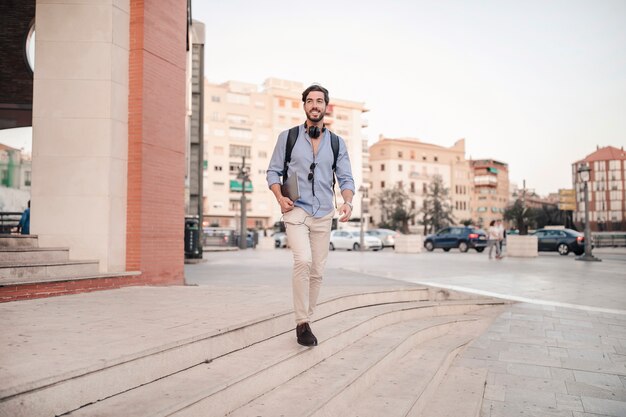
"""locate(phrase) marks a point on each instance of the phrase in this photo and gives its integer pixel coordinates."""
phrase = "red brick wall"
(156, 129)
(51, 289)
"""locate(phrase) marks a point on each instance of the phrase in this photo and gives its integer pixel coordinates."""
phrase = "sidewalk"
(541, 356)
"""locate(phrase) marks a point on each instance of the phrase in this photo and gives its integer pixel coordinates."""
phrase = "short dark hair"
(315, 87)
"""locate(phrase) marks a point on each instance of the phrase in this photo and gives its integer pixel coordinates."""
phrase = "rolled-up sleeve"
(277, 163)
(344, 169)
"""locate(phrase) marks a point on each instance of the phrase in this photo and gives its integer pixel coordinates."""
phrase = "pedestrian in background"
(502, 232)
(24, 225)
(493, 239)
(308, 219)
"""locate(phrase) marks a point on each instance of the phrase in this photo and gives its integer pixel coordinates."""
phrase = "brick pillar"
(156, 133)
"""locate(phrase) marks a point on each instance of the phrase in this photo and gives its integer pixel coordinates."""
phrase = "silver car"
(387, 236)
(350, 240)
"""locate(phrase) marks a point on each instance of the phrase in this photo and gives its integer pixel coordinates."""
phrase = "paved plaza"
(561, 351)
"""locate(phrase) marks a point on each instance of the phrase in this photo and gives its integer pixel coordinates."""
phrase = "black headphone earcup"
(314, 132)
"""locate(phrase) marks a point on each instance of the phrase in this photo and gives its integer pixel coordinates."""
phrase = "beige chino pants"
(308, 238)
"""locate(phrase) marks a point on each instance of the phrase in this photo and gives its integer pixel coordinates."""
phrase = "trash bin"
(193, 249)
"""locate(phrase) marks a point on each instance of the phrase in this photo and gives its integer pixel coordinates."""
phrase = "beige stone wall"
(411, 162)
(80, 129)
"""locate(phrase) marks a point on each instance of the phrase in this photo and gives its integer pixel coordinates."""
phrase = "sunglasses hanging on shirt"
(312, 176)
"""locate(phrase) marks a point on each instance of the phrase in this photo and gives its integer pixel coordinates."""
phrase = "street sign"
(567, 199)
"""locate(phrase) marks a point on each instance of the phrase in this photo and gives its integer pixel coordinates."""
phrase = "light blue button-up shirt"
(320, 204)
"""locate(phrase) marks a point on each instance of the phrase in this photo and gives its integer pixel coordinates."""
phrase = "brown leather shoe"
(305, 335)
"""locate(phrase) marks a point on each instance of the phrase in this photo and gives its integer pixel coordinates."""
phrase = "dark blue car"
(461, 237)
(562, 241)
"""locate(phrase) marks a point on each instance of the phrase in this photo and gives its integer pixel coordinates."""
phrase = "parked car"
(251, 239)
(280, 240)
(562, 241)
(344, 239)
(462, 237)
(387, 236)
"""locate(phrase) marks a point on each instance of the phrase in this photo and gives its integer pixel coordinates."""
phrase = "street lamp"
(362, 191)
(243, 176)
(584, 174)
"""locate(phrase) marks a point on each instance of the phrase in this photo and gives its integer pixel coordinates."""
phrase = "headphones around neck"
(314, 131)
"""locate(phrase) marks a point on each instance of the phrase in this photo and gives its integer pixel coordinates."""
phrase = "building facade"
(243, 121)
(607, 185)
(490, 190)
(410, 164)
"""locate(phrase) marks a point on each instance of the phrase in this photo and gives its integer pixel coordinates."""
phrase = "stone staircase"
(25, 266)
(388, 353)
(22, 261)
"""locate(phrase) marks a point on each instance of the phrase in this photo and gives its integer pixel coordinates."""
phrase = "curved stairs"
(388, 353)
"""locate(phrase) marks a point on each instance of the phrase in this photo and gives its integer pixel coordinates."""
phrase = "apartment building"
(411, 164)
(243, 120)
(15, 168)
(607, 185)
(490, 190)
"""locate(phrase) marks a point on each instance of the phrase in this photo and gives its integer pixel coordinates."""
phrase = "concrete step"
(408, 386)
(65, 382)
(71, 382)
(231, 381)
(11, 241)
(14, 255)
(466, 386)
(334, 386)
(11, 273)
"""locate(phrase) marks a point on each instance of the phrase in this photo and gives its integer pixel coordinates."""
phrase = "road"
(549, 279)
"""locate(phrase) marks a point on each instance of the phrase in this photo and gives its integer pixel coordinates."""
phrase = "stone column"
(80, 128)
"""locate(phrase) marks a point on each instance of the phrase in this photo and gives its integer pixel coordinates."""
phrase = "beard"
(316, 119)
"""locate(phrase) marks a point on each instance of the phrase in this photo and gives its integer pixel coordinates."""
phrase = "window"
(399, 154)
(239, 151)
(237, 98)
(238, 119)
(412, 154)
(382, 184)
(236, 132)
(423, 157)
(216, 99)
(27, 178)
(281, 102)
(436, 158)
(382, 167)
(400, 167)
(412, 187)
(294, 105)
(234, 167)
(424, 188)
(217, 168)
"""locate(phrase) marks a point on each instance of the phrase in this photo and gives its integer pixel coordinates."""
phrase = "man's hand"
(344, 212)
(285, 204)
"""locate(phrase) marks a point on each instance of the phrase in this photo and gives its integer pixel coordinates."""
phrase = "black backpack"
(291, 142)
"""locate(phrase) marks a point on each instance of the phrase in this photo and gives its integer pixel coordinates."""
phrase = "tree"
(548, 215)
(437, 208)
(395, 206)
(467, 222)
(521, 217)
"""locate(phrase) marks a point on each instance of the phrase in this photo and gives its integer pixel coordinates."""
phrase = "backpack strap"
(334, 143)
(291, 142)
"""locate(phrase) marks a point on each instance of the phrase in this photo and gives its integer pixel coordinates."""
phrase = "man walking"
(308, 219)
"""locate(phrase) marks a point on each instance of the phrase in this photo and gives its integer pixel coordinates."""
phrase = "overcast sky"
(535, 84)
